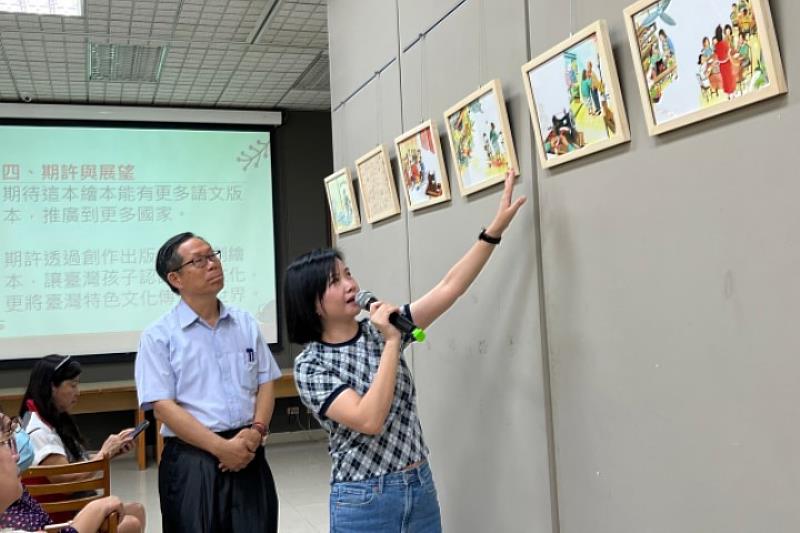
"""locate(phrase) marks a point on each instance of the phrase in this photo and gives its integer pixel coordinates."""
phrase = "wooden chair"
(70, 497)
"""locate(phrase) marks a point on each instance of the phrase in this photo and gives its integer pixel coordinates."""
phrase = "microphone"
(365, 298)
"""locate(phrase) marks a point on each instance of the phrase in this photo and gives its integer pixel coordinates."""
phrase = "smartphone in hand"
(138, 429)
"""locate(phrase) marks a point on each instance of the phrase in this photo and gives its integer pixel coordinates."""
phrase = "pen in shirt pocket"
(250, 355)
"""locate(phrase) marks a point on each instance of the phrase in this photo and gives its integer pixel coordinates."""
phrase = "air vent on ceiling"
(64, 8)
(125, 62)
(317, 76)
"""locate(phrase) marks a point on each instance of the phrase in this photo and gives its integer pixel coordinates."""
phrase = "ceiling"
(217, 55)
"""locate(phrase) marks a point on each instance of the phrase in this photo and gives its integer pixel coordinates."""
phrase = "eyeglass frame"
(8, 438)
(214, 257)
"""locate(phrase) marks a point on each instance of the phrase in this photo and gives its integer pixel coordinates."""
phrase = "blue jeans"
(400, 502)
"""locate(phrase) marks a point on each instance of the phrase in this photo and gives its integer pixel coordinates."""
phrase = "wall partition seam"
(530, 11)
(404, 127)
(400, 50)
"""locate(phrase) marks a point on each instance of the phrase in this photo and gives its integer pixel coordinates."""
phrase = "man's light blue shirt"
(213, 373)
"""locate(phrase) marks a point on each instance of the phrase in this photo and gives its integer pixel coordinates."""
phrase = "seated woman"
(20, 512)
(10, 487)
(53, 390)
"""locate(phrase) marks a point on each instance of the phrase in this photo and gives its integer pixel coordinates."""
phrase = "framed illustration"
(480, 139)
(698, 58)
(376, 181)
(422, 170)
(574, 97)
(342, 201)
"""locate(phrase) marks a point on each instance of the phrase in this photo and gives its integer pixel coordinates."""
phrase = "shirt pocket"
(244, 368)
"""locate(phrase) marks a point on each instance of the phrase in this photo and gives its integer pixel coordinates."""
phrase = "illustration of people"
(494, 138)
(653, 61)
(406, 162)
(742, 56)
(597, 87)
(564, 137)
(711, 63)
(345, 214)
(702, 76)
(723, 55)
(558, 144)
(487, 148)
(462, 128)
(745, 22)
(573, 72)
(729, 36)
(706, 51)
(416, 168)
(667, 48)
(573, 84)
(608, 118)
(669, 52)
(702, 73)
(586, 92)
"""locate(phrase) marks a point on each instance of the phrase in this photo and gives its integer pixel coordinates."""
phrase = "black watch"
(488, 238)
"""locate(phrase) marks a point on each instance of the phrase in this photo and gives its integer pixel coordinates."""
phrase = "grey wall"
(666, 282)
(671, 280)
(480, 374)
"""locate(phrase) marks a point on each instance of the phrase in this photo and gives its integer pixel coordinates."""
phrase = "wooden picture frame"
(686, 73)
(574, 97)
(480, 139)
(422, 170)
(376, 181)
(342, 201)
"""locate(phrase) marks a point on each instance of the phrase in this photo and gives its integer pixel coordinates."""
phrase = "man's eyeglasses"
(8, 427)
(203, 260)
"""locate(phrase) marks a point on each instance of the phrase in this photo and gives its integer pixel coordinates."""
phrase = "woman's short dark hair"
(48, 372)
(303, 286)
(168, 258)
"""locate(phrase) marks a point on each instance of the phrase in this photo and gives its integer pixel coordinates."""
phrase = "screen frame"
(129, 357)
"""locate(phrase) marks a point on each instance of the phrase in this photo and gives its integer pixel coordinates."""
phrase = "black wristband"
(488, 238)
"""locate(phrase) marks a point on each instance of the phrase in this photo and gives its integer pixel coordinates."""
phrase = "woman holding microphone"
(353, 376)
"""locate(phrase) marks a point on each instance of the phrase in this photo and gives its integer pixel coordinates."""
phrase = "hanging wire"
(423, 108)
(379, 111)
(406, 49)
(344, 135)
(481, 45)
(571, 18)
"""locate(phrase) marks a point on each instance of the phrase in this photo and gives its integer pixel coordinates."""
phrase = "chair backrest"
(70, 496)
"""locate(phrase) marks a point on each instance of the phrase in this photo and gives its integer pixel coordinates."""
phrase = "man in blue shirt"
(207, 373)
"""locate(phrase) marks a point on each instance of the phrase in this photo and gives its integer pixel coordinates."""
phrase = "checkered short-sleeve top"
(323, 371)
